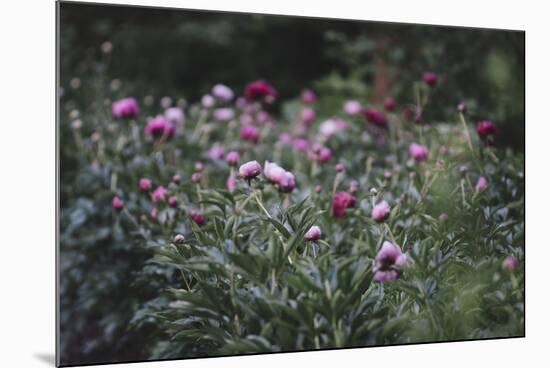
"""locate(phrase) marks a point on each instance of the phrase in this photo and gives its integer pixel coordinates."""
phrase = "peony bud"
(314, 233)
(250, 170)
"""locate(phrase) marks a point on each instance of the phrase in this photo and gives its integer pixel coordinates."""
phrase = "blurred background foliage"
(184, 53)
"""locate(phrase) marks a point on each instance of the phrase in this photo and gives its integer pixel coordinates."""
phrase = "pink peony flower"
(117, 203)
(353, 186)
(510, 263)
(285, 138)
(216, 152)
(340, 167)
(418, 151)
(223, 114)
(232, 158)
(381, 211)
(430, 78)
(332, 126)
(262, 117)
(250, 133)
(196, 177)
(314, 233)
(341, 201)
(154, 213)
(259, 90)
(231, 183)
(277, 175)
(172, 201)
(222, 92)
(375, 116)
(486, 128)
(352, 107)
(159, 194)
(208, 101)
(388, 263)
(125, 108)
(160, 126)
(389, 104)
(145, 184)
(481, 184)
(287, 182)
(461, 107)
(250, 169)
(175, 116)
(308, 115)
(308, 96)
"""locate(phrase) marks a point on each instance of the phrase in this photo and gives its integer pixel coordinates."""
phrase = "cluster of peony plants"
(260, 231)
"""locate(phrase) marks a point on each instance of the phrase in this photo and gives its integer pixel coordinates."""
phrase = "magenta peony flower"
(341, 201)
(250, 133)
(340, 167)
(223, 114)
(352, 107)
(320, 153)
(160, 126)
(381, 211)
(389, 104)
(481, 184)
(510, 263)
(197, 217)
(222, 92)
(418, 151)
(314, 233)
(196, 177)
(430, 78)
(486, 128)
(250, 169)
(375, 116)
(277, 175)
(388, 263)
(125, 108)
(117, 203)
(159, 194)
(259, 90)
(145, 184)
(308, 96)
(231, 183)
(172, 201)
(308, 115)
(232, 158)
(175, 116)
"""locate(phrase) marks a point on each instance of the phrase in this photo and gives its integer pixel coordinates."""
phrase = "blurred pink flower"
(231, 183)
(262, 117)
(300, 144)
(159, 194)
(341, 201)
(314, 233)
(418, 151)
(510, 263)
(308, 96)
(145, 184)
(285, 138)
(196, 177)
(172, 201)
(430, 78)
(388, 263)
(232, 158)
(287, 182)
(222, 92)
(481, 184)
(160, 126)
(352, 107)
(332, 126)
(250, 169)
(216, 152)
(207, 101)
(250, 133)
(223, 114)
(353, 186)
(381, 211)
(125, 108)
(340, 167)
(175, 116)
(308, 115)
(279, 176)
(117, 203)
(389, 104)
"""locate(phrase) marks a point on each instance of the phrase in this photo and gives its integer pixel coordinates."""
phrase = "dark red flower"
(375, 116)
(341, 201)
(259, 89)
(197, 217)
(389, 104)
(430, 78)
(485, 128)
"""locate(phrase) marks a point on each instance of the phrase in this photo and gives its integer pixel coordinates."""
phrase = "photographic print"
(233, 183)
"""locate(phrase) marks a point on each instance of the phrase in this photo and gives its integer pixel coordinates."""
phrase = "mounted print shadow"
(234, 183)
